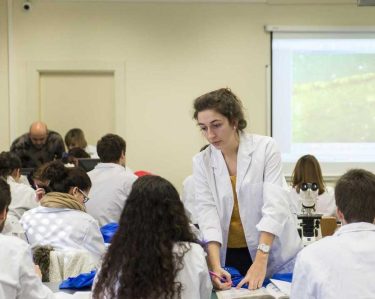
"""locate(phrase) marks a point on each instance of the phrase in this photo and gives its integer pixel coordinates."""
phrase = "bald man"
(38, 146)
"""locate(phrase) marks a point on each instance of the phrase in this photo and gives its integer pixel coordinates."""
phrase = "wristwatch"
(264, 248)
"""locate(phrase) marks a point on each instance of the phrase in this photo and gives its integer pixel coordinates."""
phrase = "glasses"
(86, 198)
(312, 186)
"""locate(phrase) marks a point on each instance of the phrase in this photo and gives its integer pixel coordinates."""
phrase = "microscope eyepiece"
(312, 186)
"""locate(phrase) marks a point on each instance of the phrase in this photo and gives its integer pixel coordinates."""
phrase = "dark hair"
(110, 147)
(204, 147)
(8, 163)
(140, 263)
(78, 152)
(355, 195)
(75, 136)
(62, 178)
(5, 197)
(73, 154)
(307, 170)
(225, 102)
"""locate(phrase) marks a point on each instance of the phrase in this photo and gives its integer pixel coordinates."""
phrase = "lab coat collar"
(355, 227)
(108, 165)
(246, 148)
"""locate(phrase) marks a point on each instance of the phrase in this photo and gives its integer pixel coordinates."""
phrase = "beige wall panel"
(78, 100)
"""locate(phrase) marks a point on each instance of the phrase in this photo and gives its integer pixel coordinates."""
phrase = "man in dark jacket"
(38, 146)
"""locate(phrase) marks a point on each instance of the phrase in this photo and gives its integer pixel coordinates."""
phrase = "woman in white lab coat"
(154, 254)
(61, 220)
(243, 211)
(307, 170)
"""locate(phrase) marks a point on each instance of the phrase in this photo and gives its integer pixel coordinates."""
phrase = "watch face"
(264, 248)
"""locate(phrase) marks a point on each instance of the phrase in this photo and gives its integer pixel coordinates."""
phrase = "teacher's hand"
(221, 279)
(256, 273)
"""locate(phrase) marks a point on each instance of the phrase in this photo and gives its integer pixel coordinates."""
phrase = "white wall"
(171, 53)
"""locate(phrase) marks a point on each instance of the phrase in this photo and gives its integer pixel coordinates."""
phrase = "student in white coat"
(188, 195)
(342, 265)
(243, 211)
(111, 182)
(18, 275)
(61, 221)
(307, 170)
(24, 197)
(154, 254)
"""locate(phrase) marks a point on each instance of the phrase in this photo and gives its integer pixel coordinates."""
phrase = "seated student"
(61, 221)
(188, 195)
(342, 265)
(307, 170)
(18, 276)
(111, 182)
(24, 197)
(153, 254)
(76, 138)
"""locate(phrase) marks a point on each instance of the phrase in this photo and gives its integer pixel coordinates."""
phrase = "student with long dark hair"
(154, 254)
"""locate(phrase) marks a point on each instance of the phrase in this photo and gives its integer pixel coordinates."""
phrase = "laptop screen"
(87, 164)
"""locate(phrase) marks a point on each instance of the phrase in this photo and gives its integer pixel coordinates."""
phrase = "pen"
(222, 279)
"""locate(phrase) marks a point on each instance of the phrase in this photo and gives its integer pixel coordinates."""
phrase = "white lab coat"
(64, 229)
(194, 276)
(18, 279)
(12, 227)
(325, 203)
(339, 266)
(111, 185)
(23, 198)
(188, 198)
(263, 204)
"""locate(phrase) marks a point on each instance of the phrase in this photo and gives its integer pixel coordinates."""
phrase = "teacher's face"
(216, 129)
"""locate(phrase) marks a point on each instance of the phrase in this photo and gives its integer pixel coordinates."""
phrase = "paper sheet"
(283, 286)
(234, 293)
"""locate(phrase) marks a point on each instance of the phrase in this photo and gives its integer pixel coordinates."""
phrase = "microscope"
(308, 220)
